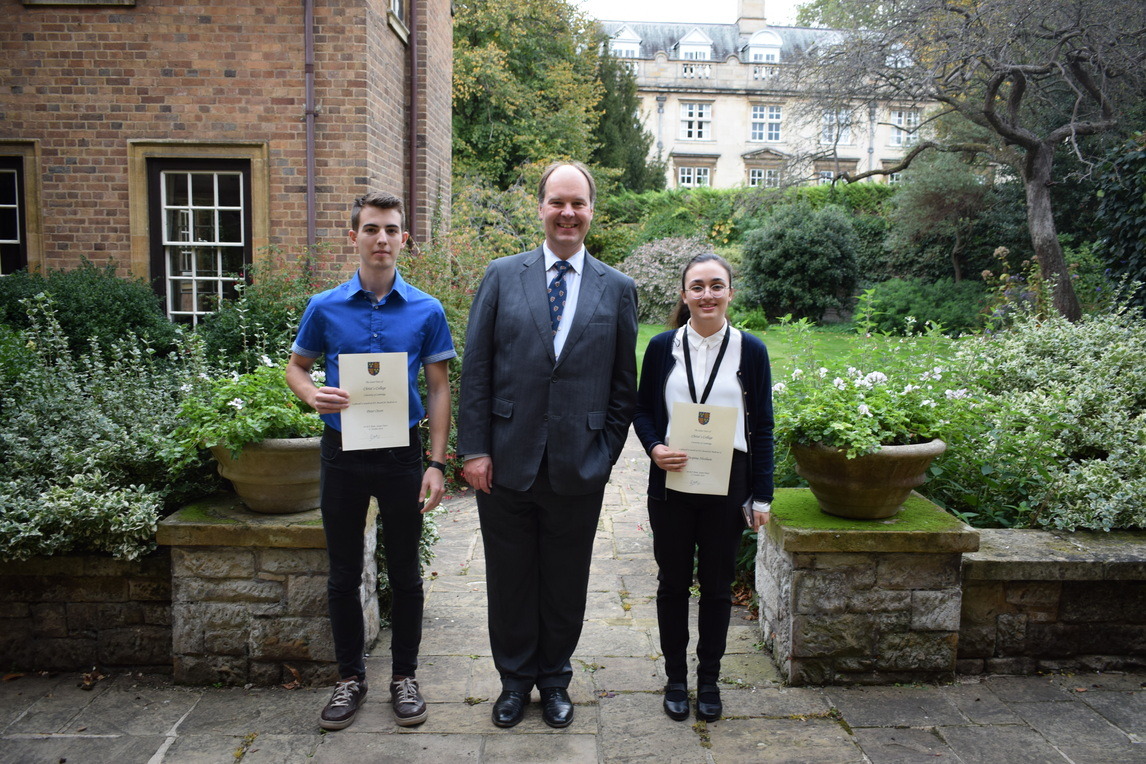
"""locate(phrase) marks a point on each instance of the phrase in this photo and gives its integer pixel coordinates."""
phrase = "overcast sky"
(779, 12)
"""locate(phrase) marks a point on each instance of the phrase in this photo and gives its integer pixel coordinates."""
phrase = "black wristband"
(439, 465)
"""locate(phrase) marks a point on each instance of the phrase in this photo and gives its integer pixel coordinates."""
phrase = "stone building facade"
(723, 113)
(180, 139)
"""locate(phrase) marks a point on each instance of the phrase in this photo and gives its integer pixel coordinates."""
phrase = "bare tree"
(1037, 74)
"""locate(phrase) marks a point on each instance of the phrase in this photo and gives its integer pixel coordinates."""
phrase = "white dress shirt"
(572, 289)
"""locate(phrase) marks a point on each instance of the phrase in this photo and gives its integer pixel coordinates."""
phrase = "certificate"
(707, 434)
(379, 412)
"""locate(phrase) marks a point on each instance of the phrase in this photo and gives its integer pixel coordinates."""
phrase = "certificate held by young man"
(379, 412)
(707, 434)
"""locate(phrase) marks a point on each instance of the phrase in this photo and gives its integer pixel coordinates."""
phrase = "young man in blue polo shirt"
(376, 311)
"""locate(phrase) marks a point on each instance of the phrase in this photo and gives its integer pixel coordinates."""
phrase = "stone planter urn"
(869, 487)
(274, 476)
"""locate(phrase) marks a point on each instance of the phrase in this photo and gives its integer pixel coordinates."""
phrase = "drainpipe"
(415, 101)
(308, 23)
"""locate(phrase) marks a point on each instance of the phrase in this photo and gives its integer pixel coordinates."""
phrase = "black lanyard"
(715, 366)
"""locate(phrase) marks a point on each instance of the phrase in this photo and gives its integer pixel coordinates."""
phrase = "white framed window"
(624, 49)
(765, 123)
(695, 121)
(13, 254)
(894, 179)
(764, 47)
(755, 177)
(836, 127)
(693, 177)
(906, 123)
(205, 242)
(824, 177)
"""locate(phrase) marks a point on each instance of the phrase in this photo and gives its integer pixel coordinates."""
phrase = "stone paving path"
(1085, 719)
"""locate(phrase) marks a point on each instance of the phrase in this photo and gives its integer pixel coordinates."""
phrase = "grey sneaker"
(409, 707)
(339, 712)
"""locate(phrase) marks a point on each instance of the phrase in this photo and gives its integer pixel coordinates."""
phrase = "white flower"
(928, 402)
(318, 376)
(863, 382)
(796, 374)
(854, 372)
(186, 388)
(875, 378)
(823, 372)
(779, 387)
(910, 388)
(840, 383)
(266, 361)
(956, 394)
(863, 409)
(236, 402)
(203, 375)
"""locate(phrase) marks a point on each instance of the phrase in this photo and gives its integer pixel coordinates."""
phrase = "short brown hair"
(380, 199)
(584, 171)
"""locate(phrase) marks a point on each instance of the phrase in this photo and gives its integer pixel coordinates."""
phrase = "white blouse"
(726, 389)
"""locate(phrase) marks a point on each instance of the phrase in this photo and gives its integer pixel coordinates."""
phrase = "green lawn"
(832, 342)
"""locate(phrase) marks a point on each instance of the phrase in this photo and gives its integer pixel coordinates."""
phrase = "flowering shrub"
(899, 396)
(237, 409)
(80, 437)
(656, 268)
(1061, 439)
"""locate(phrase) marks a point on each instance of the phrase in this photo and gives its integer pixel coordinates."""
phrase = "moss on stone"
(798, 508)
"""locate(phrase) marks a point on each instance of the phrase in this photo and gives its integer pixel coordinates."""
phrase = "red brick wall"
(83, 81)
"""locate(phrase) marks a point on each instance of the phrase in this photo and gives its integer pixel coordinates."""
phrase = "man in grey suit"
(548, 392)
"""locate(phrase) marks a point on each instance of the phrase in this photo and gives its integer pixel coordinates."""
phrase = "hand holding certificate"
(379, 411)
(706, 433)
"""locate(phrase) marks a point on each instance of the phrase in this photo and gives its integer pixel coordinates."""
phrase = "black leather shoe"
(509, 708)
(708, 705)
(676, 701)
(556, 707)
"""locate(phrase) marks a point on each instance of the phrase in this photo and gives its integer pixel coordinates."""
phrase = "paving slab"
(894, 706)
(787, 741)
(903, 746)
(999, 744)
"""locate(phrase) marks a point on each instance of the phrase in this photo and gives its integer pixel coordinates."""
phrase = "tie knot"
(562, 267)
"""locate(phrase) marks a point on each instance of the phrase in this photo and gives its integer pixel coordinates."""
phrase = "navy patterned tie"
(557, 292)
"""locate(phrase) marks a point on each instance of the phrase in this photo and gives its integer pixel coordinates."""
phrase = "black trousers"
(690, 527)
(538, 547)
(347, 481)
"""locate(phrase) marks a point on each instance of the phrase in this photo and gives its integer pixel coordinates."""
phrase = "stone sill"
(223, 520)
(798, 525)
(1036, 555)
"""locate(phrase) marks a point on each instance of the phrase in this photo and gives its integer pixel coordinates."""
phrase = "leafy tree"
(941, 196)
(525, 85)
(623, 142)
(1034, 74)
(1122, 188)
(802, 262)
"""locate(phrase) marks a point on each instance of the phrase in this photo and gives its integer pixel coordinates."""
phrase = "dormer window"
(764, 47)
(695, 46)
(625, 44)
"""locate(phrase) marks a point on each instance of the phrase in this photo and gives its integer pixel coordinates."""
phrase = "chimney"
(751, 17)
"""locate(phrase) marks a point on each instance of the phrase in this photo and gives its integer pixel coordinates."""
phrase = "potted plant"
(863, 438)
(264, 439)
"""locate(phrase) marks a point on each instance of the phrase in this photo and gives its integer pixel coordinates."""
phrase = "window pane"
(182, 294)
(177, 227)
(230, 190)
(9, 224)
(206, 263)
(208, 298)
(232, 260)
(230, 225)
(204, 225)
(202, 190)
(229, 290)
(7, 187)
(176, 185)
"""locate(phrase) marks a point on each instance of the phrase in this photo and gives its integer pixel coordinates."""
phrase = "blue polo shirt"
(344, 320)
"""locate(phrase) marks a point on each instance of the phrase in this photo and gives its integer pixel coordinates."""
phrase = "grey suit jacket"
(517, 399)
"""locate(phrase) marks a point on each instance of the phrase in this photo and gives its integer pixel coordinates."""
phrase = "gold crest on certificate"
(379, 412)
(707, 434)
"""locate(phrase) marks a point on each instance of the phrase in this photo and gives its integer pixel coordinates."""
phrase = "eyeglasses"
(697, 291)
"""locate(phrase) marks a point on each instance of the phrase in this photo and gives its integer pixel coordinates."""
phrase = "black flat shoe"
(556, 707)
(676, 701)
(509, 708)
(708, 705)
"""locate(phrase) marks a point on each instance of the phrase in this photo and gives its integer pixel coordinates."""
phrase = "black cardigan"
(755, 377)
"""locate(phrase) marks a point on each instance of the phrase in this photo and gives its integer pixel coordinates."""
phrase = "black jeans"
(707, 529)
(348, 480)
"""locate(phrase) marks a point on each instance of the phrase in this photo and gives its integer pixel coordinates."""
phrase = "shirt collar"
(577, 260)
(400, 288)
(697, 341)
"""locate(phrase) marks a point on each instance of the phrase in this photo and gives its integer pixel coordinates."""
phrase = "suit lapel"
(533, 286)
(588, 297)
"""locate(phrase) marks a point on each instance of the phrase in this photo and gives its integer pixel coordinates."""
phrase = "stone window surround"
(29, 151)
